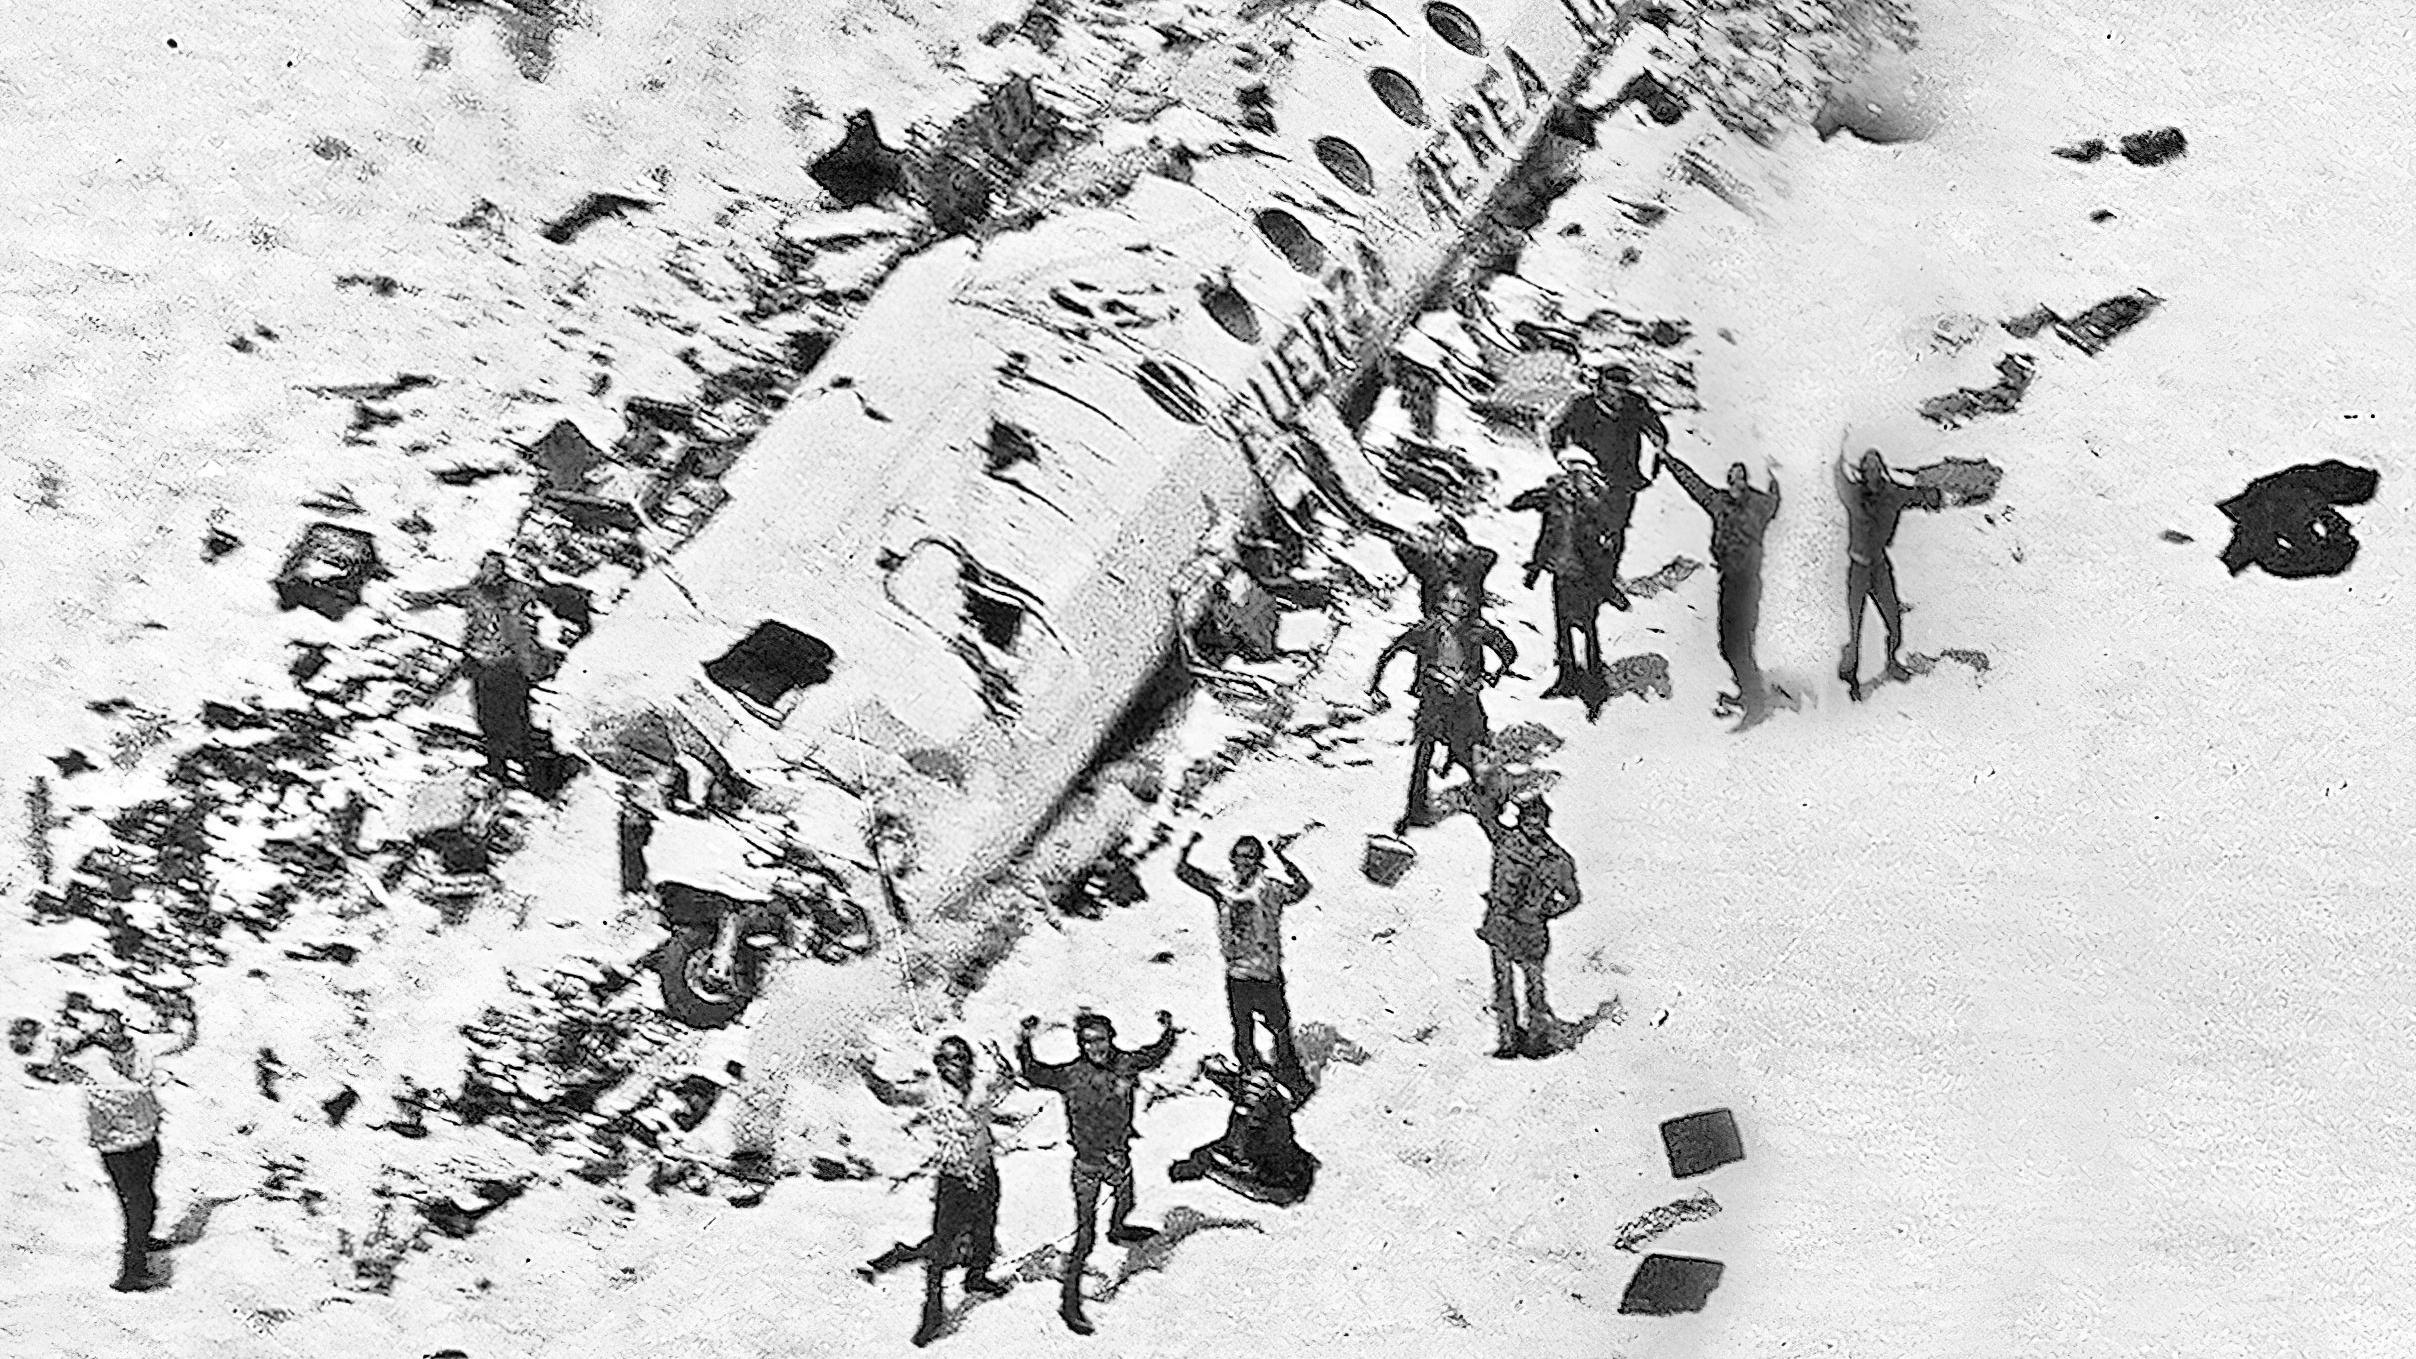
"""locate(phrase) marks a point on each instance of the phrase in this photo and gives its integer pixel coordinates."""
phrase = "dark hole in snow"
(1666, 1285)
(1399, 95)
(772, 660)
(1292, 240)
(1000, 621)
(1173, 390)
(1343, 161)
(1452, 25)
(2154, 148)
(2286, 522)
(1227, 307)
(1699, 1143)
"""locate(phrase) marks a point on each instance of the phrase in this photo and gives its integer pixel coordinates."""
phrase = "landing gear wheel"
(693, 992)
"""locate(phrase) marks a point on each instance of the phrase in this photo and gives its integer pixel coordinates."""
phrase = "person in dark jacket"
(1874, 501)
(501, 658)
(964, 1206)
(1451, 678)
(1534, 882)
(1740, 516)
(1442, 556)
(1611, 424)
(1258, 1156)
(1249, 926)
(1098, 1087)
(1573, 545)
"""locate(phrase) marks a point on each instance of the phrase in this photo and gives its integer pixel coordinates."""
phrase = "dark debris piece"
(2156, 147)
(2014, 372)
(1700, 1143)
(860, 169)
(590, 210)
(2176, 536)
(2094, 329)
(2084, 152)
(1668, 1285)
(217, 543)
(72, 763)
(338, 1105)
(2286, 523)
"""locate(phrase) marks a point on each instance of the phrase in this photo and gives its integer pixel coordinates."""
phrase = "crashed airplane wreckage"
(951, 564)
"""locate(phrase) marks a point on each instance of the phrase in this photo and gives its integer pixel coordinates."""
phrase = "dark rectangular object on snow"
(325, 570)
(1701, 1143)
(772, 660)
(1666, 1285)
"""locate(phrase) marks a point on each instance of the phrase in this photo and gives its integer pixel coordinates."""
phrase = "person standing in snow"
(121, 1113)
(964, 1201)
(1611, 423)
(1740, 516)
(1450, 649)
(501, 658)
(1098, 1087)
(1249, 925)
(1534, 882)
(1572, 544)
(1441, 556)
(1874, 501)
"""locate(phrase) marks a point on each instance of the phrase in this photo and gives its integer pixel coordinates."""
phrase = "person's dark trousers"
(1457, 723)
(1576, 604)
(500, 693)
(963, 1212)
(1870, 583)
(1740, 615)
(133, 1173)
(1515, 1030)
(1115, 1172)
(1248, 1000)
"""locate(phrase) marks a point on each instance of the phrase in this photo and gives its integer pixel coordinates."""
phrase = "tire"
(690, 995)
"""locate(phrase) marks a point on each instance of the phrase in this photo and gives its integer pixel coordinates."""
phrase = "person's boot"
(982, 1285)
(1128, 1234)
(1563, 685)
(1617, 598)
(134, 1276)
(933, 1318)
(1896, 670)
(1070, 1312)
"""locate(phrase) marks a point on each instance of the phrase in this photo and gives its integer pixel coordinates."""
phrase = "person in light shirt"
(115, 1068)
(964, 1160)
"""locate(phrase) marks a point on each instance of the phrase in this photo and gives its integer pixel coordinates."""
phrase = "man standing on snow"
(1249, 925)
(501, 658)
(1534, 883)
(1611, 423)
(1571, 544)
(1098, 1088)
(1740, 516)
(121, 1113)
(964, 1201)
(1874, 502)
(1440, 557)
(1450, 648)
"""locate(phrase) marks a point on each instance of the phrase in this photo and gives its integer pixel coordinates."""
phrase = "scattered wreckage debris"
(2014, 374)
(326, 569)
(2092, 330)
(861, 169)
(2143, 149)
(588, 211)
(2286, 521)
